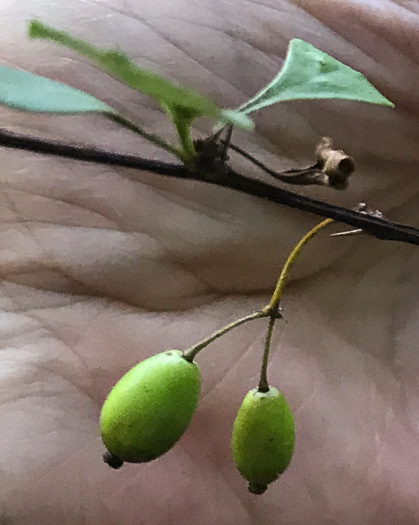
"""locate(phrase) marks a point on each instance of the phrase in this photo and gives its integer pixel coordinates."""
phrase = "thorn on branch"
(361, 208)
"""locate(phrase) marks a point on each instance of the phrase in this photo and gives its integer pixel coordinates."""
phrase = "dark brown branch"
(378, 227)
(10, 139)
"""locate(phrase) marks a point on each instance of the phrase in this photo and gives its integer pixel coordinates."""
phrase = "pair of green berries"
(151, 406)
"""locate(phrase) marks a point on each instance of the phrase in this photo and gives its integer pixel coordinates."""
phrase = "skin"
(103, 267)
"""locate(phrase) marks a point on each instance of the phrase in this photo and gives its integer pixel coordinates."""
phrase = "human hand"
(103, 267)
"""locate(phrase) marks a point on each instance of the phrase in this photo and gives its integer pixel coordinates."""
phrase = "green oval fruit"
(263, 438)
(149, 408)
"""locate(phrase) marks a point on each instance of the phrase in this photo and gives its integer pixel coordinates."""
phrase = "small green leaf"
(28, 92)
(120, 66)
(309, 73)
(173, 98)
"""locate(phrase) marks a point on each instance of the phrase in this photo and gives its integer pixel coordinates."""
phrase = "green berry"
(263, 438)
(149, 408)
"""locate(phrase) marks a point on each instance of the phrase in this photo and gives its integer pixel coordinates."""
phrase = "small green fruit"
(149, 408)
(263, 438)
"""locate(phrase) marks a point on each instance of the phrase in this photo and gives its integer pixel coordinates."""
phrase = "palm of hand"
(102, 268)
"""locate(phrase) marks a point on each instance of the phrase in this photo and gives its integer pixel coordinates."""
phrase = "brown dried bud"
(334, 163)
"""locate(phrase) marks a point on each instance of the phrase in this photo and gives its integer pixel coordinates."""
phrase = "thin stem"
(276, 297)
(296, 176)
(191, 352)
(252, 159)
(273, 306)
(263, 381)
(155, 139)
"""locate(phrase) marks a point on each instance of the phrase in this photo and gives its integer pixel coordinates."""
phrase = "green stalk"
(191, 352)
(188, 149)
(273, 306)
(271, 311)
(263, 381)
(277, 295)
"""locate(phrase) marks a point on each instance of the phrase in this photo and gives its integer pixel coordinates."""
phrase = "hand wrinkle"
(356, 416)
(172, 42)
(65, 201)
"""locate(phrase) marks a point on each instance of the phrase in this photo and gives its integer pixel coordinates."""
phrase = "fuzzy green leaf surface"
(309, 73)
(26, 91)
(173, 98)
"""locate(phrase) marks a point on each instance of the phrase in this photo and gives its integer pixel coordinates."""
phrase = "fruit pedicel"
(152, 405)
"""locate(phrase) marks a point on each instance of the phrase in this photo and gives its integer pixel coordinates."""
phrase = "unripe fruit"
(149, 408)
(263, 438)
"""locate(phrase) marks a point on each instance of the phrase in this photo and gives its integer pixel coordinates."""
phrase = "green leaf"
(28, 92)
(309, 73)
(236, 118)
(174, 99)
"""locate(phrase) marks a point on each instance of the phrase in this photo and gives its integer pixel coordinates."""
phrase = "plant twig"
(10, 139)
(190, 353)
(277, 295)
(333, 167)
(263, 385)
(274, 304)
(378, 227)
(151, 137)
(303, 177)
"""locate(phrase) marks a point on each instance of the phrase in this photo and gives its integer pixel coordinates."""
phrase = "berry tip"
(113, 461)
(256, 488)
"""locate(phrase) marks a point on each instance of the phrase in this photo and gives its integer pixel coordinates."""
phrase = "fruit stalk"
(277, 295)
(191, 352)
(263, 381)
(273, 307)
